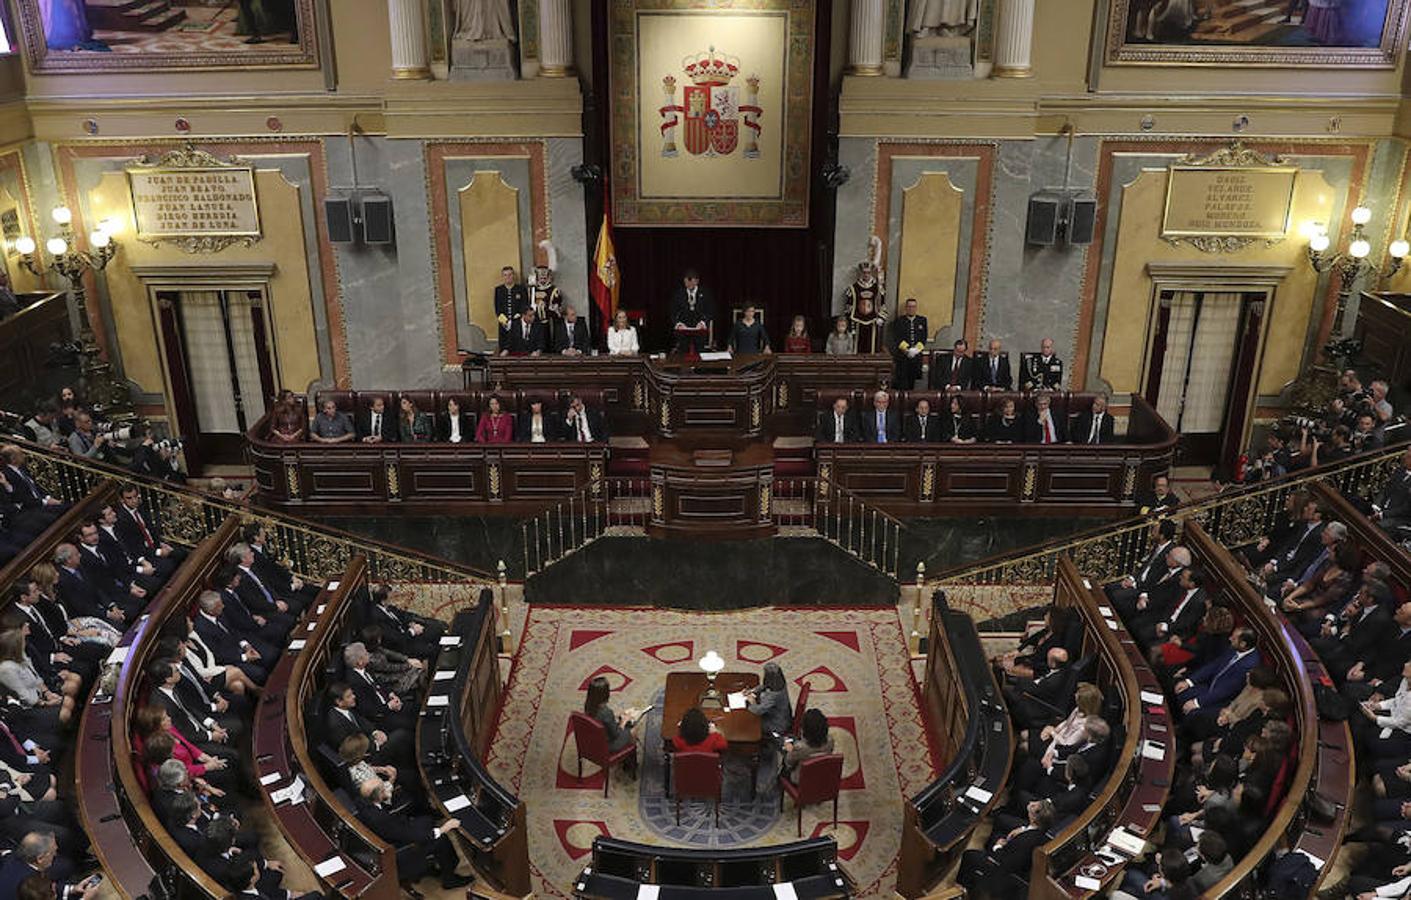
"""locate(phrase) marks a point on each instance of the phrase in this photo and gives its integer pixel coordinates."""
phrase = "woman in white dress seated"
(622, 337)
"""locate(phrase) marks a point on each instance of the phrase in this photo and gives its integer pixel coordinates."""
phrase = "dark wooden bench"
(618, 869)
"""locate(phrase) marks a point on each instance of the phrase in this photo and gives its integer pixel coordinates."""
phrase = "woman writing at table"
(622, 338)
(496, 426)
(770, 701)
(414, 425)
(698, 734)
(618, 725)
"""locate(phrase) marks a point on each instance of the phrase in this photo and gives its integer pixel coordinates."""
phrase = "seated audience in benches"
(413, 425)
(1061, 628)
(1219, 680)
(376, 425)
(403, 631)
(393, 671)
(395, 748)
(1156, 584)
(384, 709)
(140, 532)
(958, 426)
(581, 424)
(921, 426)
(1392, 508)
(286, 421)
(1326, 583)
(1094, 425)
(262, 631)
(1003, 426)
(39, 857)
(423, 844)
(43, 706)
(1172, 657)
(995, 870)
(1045, 698)
(838, 426)
(453, 426)
(329, 426)
(881, 425)
(537, 426)
(1041, 425)
(1158, 498)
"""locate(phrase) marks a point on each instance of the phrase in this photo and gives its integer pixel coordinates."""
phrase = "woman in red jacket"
(698, 734)
(496, 427)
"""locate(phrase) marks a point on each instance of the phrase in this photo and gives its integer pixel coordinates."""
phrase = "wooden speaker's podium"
(712, 492)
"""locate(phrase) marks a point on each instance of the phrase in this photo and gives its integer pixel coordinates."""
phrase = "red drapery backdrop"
(787, 270)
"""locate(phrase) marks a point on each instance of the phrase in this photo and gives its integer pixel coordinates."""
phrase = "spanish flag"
(605, 281)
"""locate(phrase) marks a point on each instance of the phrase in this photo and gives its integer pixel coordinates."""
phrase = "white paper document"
(1152, 698)
(332, 586)
(321, 608)
(1106, 611)
(298, 644)
(329, 866)
(451, 640)
(735, 700)
(291, 793)
(978, 794)
(1084, 883)
(1087, 584)
(444, 675)
(1153, 750)
(1111, 624)
(719, 356)
(118, 656)
(438, 700)
(271, 778)
(460, 801)
(1126, 842)
(785, 891)
(648, 891)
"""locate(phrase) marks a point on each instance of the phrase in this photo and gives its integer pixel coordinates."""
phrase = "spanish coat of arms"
(712, 108)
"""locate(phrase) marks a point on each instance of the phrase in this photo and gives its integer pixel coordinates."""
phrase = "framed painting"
(1368, 34)
(62, 36)
(711, 112)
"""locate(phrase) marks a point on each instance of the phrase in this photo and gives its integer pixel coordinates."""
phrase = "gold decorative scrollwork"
(755, 412)
(1236, 154)
(825, 474)
(928, 482)
(595, 479)
(1129, 480)
(189, 156)
(291, 480)
(1217, 243)
(639, 394)
(1031, 478)
(782, 395)
(183, 519)
(493, 479)
(765, 503)
(394, 482)
(658, 503)
(665, 414)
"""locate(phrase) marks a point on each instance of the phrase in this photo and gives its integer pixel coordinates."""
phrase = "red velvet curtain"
(788, 270)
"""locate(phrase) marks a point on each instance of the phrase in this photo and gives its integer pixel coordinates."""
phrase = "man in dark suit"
(1393, 507)
(1093, 426)
(921, 427)
(881, 425)
(1298, 549)
(837, 426)
(38, 854)
(111, 575)
(992, 370)
(1123, 592)
(571, 334)
(1356, 633)
(1214, 684)
(527, 336)
(403, 631)
(994, 872)
(954, 370)
(421, 840)
(265, 633)
(49, 644)
(1039, 701)
(265, 599)
(196, 725)
(231, 644)
(583, 425)
(909, 337)
(1042, 370)
(536, 425)
(1041, 425)
(1159, 497)
(375, 425)
(510, 298)
(1174, 619)
(143, 572)
(390, 748)
(692, 306)
(384, 709)
(83, 596)
(271, 571)
(33, 508)
(141, 533)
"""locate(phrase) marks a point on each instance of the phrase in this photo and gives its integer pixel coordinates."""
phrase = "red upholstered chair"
(800, 708)
(696, 775)
(819, 778)
(592, 740)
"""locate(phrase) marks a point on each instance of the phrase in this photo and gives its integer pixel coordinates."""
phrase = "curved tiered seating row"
(970, 726)
(113, 806)
(1136, 789)
(619, 869)
(452, 735)
(320, 828)
(1325, 763)
(62, 529)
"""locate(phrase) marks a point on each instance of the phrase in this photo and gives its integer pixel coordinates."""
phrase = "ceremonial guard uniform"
(909, 335)
(548, 302)
(1037, 372)
(866, 300)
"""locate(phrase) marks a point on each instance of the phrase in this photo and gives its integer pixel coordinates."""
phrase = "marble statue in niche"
(482, 45)
(942, 35)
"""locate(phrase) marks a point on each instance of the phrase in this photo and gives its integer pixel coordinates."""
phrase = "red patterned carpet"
(855, 661)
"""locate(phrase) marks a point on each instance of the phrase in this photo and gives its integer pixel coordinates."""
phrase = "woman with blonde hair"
(88, 629)
(39, 709)
(1087, 704)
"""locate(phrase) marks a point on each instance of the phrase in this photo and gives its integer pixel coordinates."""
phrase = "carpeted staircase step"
(630, 455)
(134, 15)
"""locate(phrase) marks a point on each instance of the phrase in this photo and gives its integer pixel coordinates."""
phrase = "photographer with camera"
(154, 458)
(1272, 462)
(87, 443)
(1367, 435)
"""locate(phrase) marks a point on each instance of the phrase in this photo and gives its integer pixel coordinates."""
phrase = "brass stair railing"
(313, 551)
(1232, 517)
(622, 506)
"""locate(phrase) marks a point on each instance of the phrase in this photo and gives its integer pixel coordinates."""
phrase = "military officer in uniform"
(908, 344)
(510, 298)
(1041, 371)
(548, 303)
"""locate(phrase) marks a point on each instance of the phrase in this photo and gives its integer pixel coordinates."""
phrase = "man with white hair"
(383, 708)
(881, 425)
(1041, 371)
(1161, 588)
(38, 853)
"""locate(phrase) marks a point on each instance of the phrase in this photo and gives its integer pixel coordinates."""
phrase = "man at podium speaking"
(692, 312)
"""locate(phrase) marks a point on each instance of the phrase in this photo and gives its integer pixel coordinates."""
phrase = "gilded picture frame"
(69, 36)
(742, 112)
(1144, 33)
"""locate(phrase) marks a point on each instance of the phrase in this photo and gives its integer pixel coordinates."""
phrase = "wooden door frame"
(245, 277)
(1207, 278)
